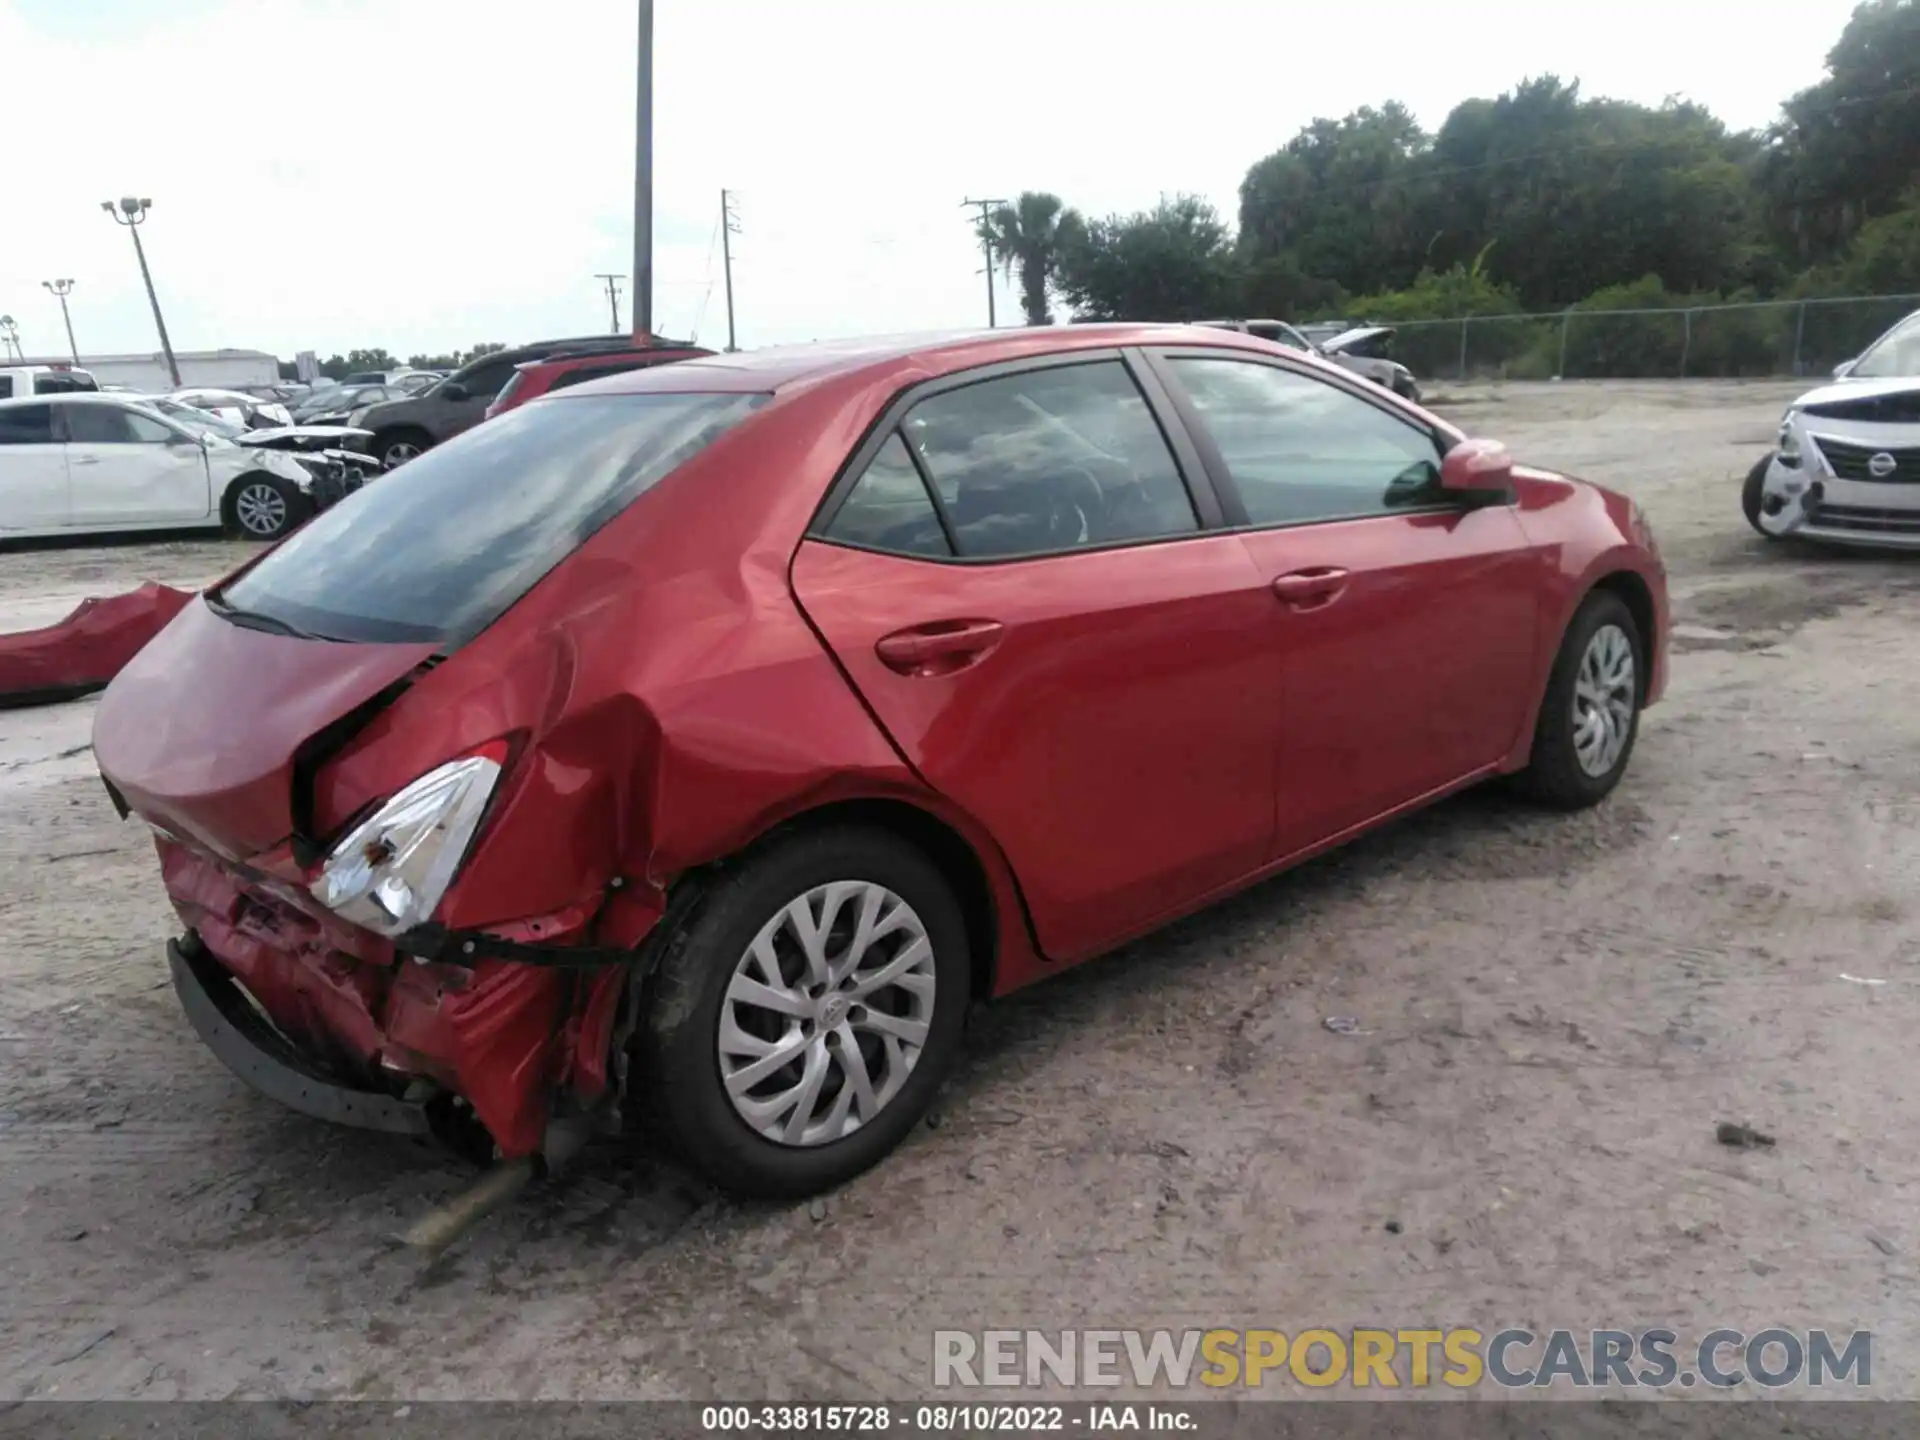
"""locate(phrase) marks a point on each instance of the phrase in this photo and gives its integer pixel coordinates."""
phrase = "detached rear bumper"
(253, 1050)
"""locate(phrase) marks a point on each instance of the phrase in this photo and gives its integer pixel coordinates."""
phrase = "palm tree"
(1027, 236)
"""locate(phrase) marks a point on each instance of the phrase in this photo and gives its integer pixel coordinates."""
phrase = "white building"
(215, 369)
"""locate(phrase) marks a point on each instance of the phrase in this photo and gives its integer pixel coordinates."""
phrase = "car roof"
(779, 367)
(78, 397)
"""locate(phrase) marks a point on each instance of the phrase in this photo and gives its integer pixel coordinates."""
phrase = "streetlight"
(62, 289)
(132, 213)
(10, 335)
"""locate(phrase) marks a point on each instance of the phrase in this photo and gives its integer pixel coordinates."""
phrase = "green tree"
(1027, 237)
(1340, 201)
(1847, 148)
(1884, 258)
(1173, 262)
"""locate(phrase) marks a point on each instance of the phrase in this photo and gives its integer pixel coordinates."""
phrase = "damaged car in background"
(1845, 467)
(101, 462)
(761, 712)
(1361, 349)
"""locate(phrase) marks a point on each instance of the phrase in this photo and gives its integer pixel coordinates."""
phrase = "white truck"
(19, 381)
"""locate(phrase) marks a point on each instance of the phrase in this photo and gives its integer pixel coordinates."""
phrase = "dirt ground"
(1553, 1013)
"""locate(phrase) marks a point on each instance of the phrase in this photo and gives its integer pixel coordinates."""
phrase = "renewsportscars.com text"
(1365, 1358)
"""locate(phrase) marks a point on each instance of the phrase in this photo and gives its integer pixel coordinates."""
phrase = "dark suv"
(403, 428)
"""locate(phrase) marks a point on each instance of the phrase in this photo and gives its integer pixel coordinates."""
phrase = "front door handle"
(939, 648)
(86, 460)
(1311, 588)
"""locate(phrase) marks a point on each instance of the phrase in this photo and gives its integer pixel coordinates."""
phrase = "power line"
(986, 244)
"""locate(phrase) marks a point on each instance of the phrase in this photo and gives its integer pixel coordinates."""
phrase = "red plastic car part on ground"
(87, 649)
(1156, 725)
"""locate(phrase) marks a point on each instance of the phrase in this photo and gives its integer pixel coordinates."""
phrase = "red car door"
(1405, 620)
(1015, 577)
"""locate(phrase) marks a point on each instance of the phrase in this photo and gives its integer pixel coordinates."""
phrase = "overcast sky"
(426, 174)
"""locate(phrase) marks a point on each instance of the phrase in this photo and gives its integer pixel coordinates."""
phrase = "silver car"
(1845, 467)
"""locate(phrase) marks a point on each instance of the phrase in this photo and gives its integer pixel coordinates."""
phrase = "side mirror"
(1477, 467)
(454, 390)
(1845, 368)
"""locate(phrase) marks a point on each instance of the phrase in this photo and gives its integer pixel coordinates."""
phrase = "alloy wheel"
(826, 1013)
(1604, 692)
(399, 452)
(260, 509)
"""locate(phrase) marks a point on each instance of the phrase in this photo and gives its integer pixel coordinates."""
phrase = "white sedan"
(237, 406)
(79, 463)
(1845, 469)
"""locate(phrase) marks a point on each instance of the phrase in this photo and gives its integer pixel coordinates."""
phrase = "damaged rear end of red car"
(421, 779)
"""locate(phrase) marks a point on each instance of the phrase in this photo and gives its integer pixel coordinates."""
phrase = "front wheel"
(1752, 496)
(1591, 714)
(394, 448)
(264, 507)
(806, 1012)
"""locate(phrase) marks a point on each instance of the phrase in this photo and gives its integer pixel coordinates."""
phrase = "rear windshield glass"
(438, 549)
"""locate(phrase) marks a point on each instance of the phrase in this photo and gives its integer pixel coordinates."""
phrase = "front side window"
(26, 425)
(889, 508)
(1299, 449)
(1063, 458)
(437, 554)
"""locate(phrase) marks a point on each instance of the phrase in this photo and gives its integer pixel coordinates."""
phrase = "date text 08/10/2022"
(950, 1419)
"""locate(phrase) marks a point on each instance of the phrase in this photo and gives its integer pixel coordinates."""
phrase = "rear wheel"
(806, 1012)
(1591, 714)
(264, 507)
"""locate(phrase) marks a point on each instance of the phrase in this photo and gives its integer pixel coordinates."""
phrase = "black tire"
(678, 1047)
(1554, 776)
(259, 506)
(393, 448)
(1407, 388)
(1751, 495)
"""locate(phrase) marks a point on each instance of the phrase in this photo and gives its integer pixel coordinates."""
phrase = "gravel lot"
(1553, 1015)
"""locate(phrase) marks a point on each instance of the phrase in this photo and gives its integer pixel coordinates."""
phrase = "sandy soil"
(1553, 1013)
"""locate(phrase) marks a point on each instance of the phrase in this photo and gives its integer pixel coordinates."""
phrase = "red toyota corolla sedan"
(692, 747)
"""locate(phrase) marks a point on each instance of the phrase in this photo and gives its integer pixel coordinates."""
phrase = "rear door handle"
(86, 460)
(939, 648)
(1311, 588)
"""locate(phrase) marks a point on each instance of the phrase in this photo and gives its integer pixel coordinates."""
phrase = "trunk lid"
(206, 731)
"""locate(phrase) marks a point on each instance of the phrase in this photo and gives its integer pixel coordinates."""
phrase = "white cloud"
(430, 173)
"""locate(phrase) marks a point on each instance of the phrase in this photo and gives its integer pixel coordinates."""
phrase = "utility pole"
(10, 339)
(62, 289)
(132, 213)
(613, 296)
(986, 244)
(729, 227)
(643, 180)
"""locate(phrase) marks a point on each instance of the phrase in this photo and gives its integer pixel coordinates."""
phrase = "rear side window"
(62, 382)
(438, 551)
(487, 380)
(6, 387)
(1063, 458)
(26, 425)
(889, 508)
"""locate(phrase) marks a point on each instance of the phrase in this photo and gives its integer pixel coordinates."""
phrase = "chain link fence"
(1752, 340)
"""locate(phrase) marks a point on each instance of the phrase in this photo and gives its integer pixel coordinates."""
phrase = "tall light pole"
(132, 213)
(62, 289)
(10, 337)
(643, 180)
